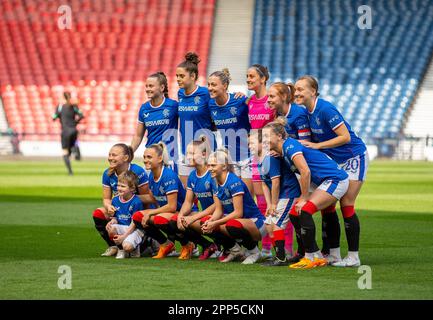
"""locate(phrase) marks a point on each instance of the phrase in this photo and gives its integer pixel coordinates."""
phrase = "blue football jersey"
(234, 186)
(322, 167)
(194, 116)
(233, 123)
(161, 123)
(298, 125)
(272, 167)
(111, 181)
(125, 209)
(202, 188)
(167, 183)
(324, 119)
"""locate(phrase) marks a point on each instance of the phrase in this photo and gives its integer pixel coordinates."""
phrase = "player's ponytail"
(190, 64)
(162, 80)
(291, 96)
(223, 75)
(126, 150)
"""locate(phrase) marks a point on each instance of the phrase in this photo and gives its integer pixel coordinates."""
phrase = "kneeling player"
(236, 214)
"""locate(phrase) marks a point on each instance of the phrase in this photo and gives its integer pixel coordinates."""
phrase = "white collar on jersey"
(163, 100)
(315, 105)
(195, 90)
(223, 105)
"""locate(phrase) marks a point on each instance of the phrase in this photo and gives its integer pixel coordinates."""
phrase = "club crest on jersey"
(193, 184)
(166, 113)
(207, 185)
(145, 115)
(197, 100)
(161, 190)
(233, 111)
(180, 100)
(131, 208)
(227, 192)
(318, 121)
(215, 113)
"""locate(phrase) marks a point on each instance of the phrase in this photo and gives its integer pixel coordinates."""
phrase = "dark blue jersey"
(202, 188)
(125, 209)
(232, 121)
(324, 119)
(235, 186)
(298, 125)
(167, 183)
(322, 167)
(271, 168)
(194, 116)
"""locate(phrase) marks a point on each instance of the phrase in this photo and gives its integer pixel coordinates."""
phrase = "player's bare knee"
(128, 247)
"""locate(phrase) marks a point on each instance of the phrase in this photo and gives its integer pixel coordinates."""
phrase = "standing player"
(334, 136)
(281, 190)
(259, 114)
(69, 116)
(158, 116)
(120, 228)
(194, 113)
(236, 213)
(119, 158)
(331, 184)
(169, 194)
(230, 116)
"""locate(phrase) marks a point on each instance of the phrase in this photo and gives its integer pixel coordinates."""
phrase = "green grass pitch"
(46, 223)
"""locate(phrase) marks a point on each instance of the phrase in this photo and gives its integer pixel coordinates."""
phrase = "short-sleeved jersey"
(194, 116)
(160, 122)
(298, 123)
(232, 121)
(271, 168)
(125, 209)
(324, 119)
(202, 188)
(322, 167)
(111, 181)
(167, 183)
(235, 186)
(259, 112)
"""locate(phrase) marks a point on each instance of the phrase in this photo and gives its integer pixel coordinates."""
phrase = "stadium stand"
(372, 75)
(103, 59)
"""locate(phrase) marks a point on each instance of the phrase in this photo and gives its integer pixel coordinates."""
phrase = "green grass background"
(46, 222)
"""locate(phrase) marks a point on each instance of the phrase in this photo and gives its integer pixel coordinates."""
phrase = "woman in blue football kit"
(199, 186)
(281, 190)
(158, 117)
(230, 116)
(334, 136)
(119, 158)
(313, 166)
(168, 193)
(120, 228)
(194, 114)
(236, 214)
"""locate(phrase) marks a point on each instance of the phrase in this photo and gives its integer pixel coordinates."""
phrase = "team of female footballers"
(224, 172)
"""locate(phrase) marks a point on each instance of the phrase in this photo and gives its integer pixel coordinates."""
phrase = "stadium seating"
(103, 59)
(371, 75)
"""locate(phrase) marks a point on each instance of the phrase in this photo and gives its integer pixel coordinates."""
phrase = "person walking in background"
(69, 116)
